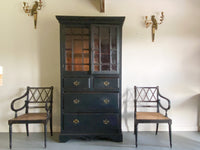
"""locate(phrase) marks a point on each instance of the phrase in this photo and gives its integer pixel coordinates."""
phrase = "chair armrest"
(48, 108)
(164, 108)
(13, 102)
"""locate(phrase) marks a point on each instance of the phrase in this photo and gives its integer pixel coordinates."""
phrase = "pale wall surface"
(31, 57)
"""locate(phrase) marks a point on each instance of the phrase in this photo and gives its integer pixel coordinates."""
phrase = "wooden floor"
(146, 141)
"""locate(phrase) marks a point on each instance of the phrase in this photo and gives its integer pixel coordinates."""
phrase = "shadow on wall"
(191, 105)
(128, 106)
(96, 4)
(49, 62)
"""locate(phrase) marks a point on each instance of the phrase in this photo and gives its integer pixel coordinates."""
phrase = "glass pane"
(105, 40)
(96, 67)
(114, 38)
(77, 44)
(96, 37)
(85, 67)
(81, 68)
(68, 57)
(114, 57)
(96, 58)
(85, 31)
(114, 67)
(68, 42)
(86, 57)
(105, 67)
(105, 58)
(77, 58)
(68, 30)
(68, 67)
(78, 68)
(76, 30)
(85, 42)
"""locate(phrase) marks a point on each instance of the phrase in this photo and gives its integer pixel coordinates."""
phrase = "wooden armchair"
(149, 97)
(35, 98)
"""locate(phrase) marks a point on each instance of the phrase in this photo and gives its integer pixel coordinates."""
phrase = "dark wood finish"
(91, 102)
(150, 97)
(34, 98)
(90, 49)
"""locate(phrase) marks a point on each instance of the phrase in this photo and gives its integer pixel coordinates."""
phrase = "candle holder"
(154, 24)
(32, 11)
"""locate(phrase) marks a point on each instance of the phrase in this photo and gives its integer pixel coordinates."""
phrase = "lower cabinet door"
(91, 123)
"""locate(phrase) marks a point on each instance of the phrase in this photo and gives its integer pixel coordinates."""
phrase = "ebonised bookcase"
(90, 57)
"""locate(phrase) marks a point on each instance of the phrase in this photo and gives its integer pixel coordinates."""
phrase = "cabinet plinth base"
(116, 137)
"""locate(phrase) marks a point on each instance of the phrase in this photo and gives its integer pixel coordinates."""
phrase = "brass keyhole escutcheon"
(106, 83)
(76, 83)
(76, 121)
(106, 121)
(76, 101)
(106, 101)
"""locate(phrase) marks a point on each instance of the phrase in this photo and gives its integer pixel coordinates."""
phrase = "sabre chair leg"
(10, 136)
(51, 126)
(170, 135)
(45, 134)
(157, 124)
(134, 128)
(136, 134)
(27, 130)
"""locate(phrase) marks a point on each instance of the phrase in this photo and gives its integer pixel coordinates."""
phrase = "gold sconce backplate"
(33, 10)
(154, 24)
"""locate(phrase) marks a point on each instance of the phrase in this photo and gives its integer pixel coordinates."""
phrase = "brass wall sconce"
(32, 11)
(154, 24)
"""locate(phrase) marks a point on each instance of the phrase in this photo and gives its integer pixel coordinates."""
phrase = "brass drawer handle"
(76, 101)
(76, 121)
(106, 121)
(76, 83)
(106, 101)
(106, 83)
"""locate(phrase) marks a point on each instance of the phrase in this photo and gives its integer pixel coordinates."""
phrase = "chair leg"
(136, 133)
(157, 124)
(10, 136)
(170, 135)
(27, 130)
(51, 126)
(134, 128)
(45, 134)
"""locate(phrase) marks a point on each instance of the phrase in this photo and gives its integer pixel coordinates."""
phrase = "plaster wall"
(31, 57)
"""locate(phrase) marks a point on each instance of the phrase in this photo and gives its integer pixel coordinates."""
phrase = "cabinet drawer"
(91, 123)
(77, 83)
(106, 83)
(94, 102)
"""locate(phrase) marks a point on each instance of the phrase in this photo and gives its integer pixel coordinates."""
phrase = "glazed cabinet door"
(76, 49)
(105, 49)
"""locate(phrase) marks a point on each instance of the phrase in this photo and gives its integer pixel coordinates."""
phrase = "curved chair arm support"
(48, 108)
(12, 104)
(164, 108)
(49, 101)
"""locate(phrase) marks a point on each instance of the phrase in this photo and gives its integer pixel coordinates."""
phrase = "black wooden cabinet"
(90, 50)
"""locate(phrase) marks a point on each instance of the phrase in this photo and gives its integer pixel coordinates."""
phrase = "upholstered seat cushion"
(150, 116)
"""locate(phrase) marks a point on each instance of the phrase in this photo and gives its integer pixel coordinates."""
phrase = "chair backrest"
(146, 97)
(37, 97)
